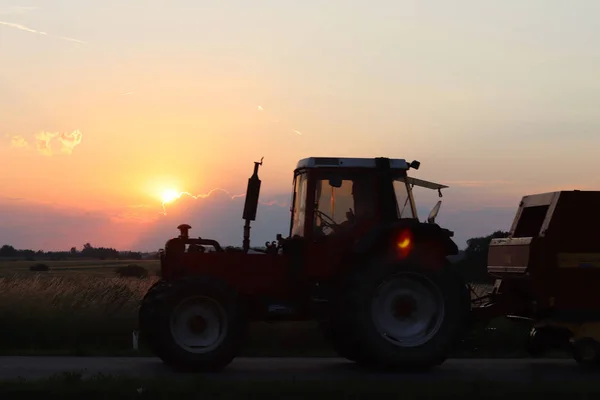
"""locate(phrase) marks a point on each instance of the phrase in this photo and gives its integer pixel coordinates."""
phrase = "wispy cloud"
(275, 120)
(18, 141)
(22, 28)
(27, 29)
(68, 141)
(16, 10)
(68, 39)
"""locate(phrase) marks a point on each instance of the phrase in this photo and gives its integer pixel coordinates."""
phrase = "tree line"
(473, 264)
(87, 251)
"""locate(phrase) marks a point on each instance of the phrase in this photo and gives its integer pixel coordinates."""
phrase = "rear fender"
(407, 239)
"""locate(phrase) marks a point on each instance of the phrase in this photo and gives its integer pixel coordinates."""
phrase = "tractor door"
(344, 208)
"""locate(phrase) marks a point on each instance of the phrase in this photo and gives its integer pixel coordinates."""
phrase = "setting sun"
(169, 196)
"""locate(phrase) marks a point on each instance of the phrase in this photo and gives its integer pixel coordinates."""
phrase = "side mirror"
(434, 212)
(335, 182)
(414, 164)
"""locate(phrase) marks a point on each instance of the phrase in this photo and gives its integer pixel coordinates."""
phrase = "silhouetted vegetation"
(132, 271)
(39, 268)
(473, 264)
(87, 251)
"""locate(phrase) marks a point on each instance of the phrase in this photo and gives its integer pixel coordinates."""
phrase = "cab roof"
(347, 162)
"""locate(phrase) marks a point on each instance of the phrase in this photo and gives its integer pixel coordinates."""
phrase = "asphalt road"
(298, 369)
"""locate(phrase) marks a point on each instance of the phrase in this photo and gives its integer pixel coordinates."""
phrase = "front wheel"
(194, 323)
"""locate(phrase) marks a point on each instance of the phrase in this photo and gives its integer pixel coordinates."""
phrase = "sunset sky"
(106, 105)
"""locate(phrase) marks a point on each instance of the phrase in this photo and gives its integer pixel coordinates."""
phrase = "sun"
(169, 195)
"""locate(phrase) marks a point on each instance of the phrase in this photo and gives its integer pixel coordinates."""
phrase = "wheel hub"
(408, 310)
(198, 324)
(404, 306)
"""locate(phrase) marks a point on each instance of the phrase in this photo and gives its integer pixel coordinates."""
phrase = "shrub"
(132, 271)
(39, 268)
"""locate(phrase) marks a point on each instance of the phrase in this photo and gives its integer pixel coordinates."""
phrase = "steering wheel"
(326, 221)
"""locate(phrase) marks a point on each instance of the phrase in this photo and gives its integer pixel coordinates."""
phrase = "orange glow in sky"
(169, 195)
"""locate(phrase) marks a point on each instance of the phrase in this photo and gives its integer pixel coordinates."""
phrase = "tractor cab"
(338, 195)
(346, 208)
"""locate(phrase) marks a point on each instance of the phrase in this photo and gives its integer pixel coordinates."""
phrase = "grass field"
(71, 386)
(83, 308)
(106, 268)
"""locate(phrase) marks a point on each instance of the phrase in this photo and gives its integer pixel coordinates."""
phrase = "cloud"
(27, 29)
(218, 216)
(68, 141)
(22, 28)
(18, 142)
(212, 192)
(16, 10)
(35, 225)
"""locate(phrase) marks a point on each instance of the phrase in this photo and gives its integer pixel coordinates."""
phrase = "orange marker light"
(404, 243)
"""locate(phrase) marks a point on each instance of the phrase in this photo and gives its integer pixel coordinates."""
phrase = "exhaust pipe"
(251, 203)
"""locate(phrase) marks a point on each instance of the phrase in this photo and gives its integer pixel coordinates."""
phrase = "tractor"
(357, 260)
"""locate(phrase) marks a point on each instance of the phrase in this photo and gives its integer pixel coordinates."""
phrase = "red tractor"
(357, 260)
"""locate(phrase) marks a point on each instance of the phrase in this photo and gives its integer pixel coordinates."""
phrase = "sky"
(104, 106)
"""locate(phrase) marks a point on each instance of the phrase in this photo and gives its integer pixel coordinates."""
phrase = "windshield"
(403, 199)
(342, 201)
(299, 206)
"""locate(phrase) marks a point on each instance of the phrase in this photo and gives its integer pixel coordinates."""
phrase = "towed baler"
(546, 272)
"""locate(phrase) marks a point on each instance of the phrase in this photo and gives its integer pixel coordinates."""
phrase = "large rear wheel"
(193, 323)
(403, 317)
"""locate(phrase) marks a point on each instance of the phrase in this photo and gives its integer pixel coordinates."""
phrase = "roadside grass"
(81, 314)
(74, 386)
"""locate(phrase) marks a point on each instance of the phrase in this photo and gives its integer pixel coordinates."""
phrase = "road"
(298, 369)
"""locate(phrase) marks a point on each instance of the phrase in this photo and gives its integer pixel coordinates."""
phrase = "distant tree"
(474, 264)
(73, 251)
(7, 251)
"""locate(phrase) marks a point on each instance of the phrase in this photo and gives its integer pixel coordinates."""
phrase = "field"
(83, 308)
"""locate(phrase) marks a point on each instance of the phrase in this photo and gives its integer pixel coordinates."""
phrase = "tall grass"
(69, 312)
(95, 315)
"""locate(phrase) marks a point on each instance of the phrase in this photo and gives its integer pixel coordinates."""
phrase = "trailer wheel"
(194, 323)
(586, 352)
(404, 317)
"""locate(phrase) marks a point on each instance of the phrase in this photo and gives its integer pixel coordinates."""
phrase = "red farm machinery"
(375, 278)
